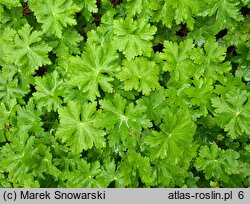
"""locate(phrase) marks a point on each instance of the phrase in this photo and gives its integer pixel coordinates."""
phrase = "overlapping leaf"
(29, 49)
(124, 121)
(81, 127)
(54, 15)
(233, 112)
(217, 163)
(94, 69)
(133, 37)
(180, 11)
(175, 135)
(47, 93)
(140, 74)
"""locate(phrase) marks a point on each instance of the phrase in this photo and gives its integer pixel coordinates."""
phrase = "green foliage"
(47, 93)
(54, 15)
(132, 93)
(126, 121)
(224, 12)
(133, 37)
(217, 163)
(139, 74)
(174, 137)
(81, 126)
(28, 49)
(233, 112)
(180, 11)
(94, 69)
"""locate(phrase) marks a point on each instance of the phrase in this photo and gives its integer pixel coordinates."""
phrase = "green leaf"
(140, 74)
(125, 120)
(94, 69)
(13, 18)
(175, 135)
(9, 89)
(210, 60)
(10, 4)
(28, 119)
(133, 37)
(155, 103)
(54, 15)
(18, 74)
(243, 59)
(225, 12)
(81, 127)
(217, 163)
(6, 38)
(47, 93)
(25, 160)
(7, 112)
(233, 112)
(67, 44)
(179, 10)
(89, 7)
(200, 94)
(29, 49)
(138, 7)
(177, 58)
(134, 166)
(112, 174)
(85, 176)
(171, 175)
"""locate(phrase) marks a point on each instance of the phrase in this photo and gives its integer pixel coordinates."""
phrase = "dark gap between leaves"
(158, 48)
(98, 3)
(183, 31)
(41, 71)
(245, 11)
(97, 19)
(232, 50)
(26, 10)
(29, 94)
(116, 2)
(32, 88)
(221, 34)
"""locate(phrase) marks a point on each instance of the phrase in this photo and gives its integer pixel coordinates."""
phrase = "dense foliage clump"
(124, 93)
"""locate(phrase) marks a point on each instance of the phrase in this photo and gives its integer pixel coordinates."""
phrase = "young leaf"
(25, 161)
(200, 94)
(7, 112)
(134, 166)
(210, 60)
(137, 7)
(9, 89)
(179, 10)
(68, 44)
(10, 4)
(28, 119)
(6, 38)
(155, 103)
